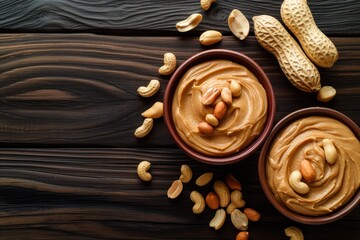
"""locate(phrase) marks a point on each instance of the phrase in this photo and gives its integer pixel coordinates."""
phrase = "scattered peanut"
(175, 189)
(220, 110)
(205, 128)
(226, 95)
(239, 220)
(199, 202)
(243, 235)
(150, 90)
(236, 199)
(300, 71)
(186, 173)
(294, 233)
(145, 128)
(219, 219)
(206, 4)
(307, 171)
(252, 215)
(155, 111)
(142, 171)
(210, 37)
(210, 96)
(204, 179)
(238, 24)
(331, 154)
(298, 18)
(169, 64)
(232, 182)
(326, 93)
(223, 193)
(190, 23)
(212, 200)
(296, 184)
(235, 88)
(212, 120)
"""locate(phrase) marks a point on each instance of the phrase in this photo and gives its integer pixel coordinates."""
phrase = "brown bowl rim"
(311, 220)
(235, 57)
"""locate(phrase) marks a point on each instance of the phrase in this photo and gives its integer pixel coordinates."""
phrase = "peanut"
(175, 189)
(150, 90)
(210, 96)
(186, 174)
(300, 71)
(226, 95)
(142, 171)
(204, 179)
(307, 171)
(235, 88)
(236, 201)
(205, 128)
(206, 4)
(169, 64)
(219, 219)
(326, 93)
(252, 215)
(212, 120)
(199, 202)
(190, 23)
(317, 46)
(296, 184)
(331, 154)
(294, 233)
(238, 24)
(223, 193)
(232, 182)
(243, 235)
(210, 37)
(239, 220)
(145, 128)
(155, 111)
(220, 110)
(212, 200)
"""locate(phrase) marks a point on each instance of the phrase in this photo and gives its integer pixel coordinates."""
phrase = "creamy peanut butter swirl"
(334, 184)
(244, 118)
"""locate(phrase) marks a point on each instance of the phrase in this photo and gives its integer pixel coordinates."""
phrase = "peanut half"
(239, 220)
(211, 119)
(212, 200)
(210, 96)
(243, 235)
(226, 95)
(199, 202)
(190, 23)
(252, 215)
(294, 233)
(210, 37)
(145, 128)
(296, 184)
(235, 88)
(142, 171)
(150, 90)
(206, 4)
(238, 24)
(330, 151)
(307, 171)
(220, 110)
(175, 189)
(218, 220)
(205, 128)
(155, 111)
(204, 179)
(232, 182)
(169, 64)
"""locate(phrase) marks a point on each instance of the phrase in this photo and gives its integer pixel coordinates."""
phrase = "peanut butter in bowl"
(326, 154)
(202, 91)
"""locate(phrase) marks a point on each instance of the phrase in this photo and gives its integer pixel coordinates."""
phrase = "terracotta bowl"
(312, 220)
(212, 55)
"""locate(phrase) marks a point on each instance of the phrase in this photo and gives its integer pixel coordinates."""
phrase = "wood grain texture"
(96, 194)
(80, 89)
(159, 15)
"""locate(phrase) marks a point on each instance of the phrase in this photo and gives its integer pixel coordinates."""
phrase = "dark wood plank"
(96, 194)
(161, 16)
(80, 89)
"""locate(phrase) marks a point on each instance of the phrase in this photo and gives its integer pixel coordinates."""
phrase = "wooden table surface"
(69, 70)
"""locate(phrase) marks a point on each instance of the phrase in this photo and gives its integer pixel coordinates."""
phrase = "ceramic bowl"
(282, 208)
(213, 55)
